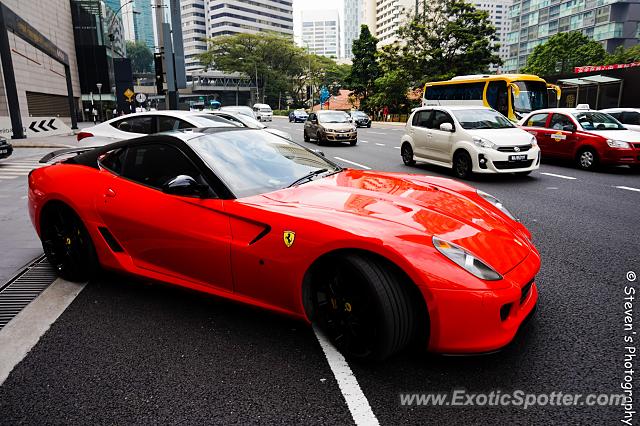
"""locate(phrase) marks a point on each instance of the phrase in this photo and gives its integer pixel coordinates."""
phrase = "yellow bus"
(513, 95)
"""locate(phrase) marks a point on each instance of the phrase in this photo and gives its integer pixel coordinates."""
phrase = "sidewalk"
(60, 141)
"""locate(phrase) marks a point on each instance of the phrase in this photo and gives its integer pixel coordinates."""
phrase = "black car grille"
(525, 291)
(505, 165)
(522, 148)
(636, 145)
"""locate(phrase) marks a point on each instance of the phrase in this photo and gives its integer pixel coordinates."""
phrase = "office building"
(354, 15)
(321, 32)
(137, 19)
(234, 16)
(390, 15)
(612, 22)
(194, 32)
(497, 10)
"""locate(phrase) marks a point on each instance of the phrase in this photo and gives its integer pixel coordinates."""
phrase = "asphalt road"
(130, 352)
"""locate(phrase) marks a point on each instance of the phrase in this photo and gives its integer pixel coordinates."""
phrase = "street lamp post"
(99, 86)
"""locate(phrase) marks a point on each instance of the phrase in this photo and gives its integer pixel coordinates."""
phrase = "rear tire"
(67, 244)
(407, 155)
(369, 125)
(362, 307)
(462, 165)
(587, 159)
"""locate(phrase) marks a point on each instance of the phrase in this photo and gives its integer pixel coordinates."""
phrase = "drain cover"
(19, 291)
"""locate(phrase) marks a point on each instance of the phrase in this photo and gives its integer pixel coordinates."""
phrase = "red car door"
(184, 237)
(562, 136)
(536, 124)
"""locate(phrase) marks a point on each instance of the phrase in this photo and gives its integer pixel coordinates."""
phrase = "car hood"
(619, 135)
(503, 137)
(423, 207)
(337, 126)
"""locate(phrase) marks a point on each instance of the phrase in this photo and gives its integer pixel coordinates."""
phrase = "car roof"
(171, 113)
(620, 109)
(565, 110)
(455, 107)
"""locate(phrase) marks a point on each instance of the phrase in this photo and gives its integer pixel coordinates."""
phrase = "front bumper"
(492, 161)
(362, 123)
(6, 150)
(341, 137)
(619, 157)
(465, 321)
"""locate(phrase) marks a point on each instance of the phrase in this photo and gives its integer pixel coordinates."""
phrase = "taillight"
(83, 135)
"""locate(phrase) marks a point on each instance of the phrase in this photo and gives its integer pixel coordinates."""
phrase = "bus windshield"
(530, 96)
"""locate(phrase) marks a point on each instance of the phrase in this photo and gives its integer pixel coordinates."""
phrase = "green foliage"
(365, 69)
(141, 56)
(451, 38)
(564, 51)
(624, 56)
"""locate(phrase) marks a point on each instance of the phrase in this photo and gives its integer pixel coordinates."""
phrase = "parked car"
(360, 119)
(585, 136)
(469, 139)
(298, 116)
(6, 149)
(145, 123)
(325, 126)
(378, 261)
(629, 117)
(263, 112)
(240, 109)
(246, 121)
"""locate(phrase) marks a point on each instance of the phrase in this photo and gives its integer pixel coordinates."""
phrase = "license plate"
(518, 157)
(343, 136)
(3, 151)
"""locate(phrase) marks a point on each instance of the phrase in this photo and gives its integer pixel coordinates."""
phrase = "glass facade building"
(612, 22)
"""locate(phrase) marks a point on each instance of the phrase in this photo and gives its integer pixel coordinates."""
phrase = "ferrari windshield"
(482, 119)
(252, 162)
(597, 121)
(333, 117)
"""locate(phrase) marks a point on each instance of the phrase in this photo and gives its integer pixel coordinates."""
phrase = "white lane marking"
(380, 144)
(396, 147)
(628, 188)
(23, 332)
(558, 176)
(16, 173)
(8, 177)
(378, 133)
(552, 187)
(356, 400)
(353, 162)
(15, 168)
(361, 141)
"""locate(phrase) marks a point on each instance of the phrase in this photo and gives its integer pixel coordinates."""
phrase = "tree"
(141, 56)
(564, 51)
(365, 69)
(624, 56)
(451, 38)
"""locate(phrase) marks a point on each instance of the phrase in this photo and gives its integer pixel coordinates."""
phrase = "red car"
(588, 137)
(376, 260)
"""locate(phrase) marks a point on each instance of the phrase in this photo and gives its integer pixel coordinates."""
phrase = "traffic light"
(157, 59)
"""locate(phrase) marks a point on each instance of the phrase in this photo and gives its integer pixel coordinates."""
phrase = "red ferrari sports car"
(377, 260)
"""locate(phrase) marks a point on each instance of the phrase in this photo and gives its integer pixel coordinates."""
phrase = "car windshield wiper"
(308, 176)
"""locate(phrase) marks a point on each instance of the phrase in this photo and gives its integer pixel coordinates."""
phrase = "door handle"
(109, 193)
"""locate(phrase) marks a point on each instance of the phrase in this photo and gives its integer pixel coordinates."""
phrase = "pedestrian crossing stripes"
(14, 169)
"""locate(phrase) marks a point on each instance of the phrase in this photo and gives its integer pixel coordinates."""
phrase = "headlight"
(466, 260)
(534, 141)
(484, 143)
(497, 203)
(617, 144)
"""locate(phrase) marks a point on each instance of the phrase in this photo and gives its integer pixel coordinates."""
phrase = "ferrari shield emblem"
(289, 237)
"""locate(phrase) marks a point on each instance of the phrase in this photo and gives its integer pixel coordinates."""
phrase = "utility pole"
(159, 27)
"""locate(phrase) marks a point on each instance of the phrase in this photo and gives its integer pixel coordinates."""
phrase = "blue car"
(298, 116)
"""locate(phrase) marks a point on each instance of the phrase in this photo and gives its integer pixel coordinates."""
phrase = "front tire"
(362, 307)
(462, 165)
(67, 244)
(319, 139)
(587, 159)
(305, 137)
(407, 155)
(353, 143)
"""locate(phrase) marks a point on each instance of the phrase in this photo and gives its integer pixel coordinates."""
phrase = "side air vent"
(110, 239)
(258, 237)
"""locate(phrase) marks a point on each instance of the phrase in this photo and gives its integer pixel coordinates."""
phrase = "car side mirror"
(569, 128)
(185, 186)
(317, 151)
(446, 127)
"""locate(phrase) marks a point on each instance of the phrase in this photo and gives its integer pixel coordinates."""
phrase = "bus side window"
(497, 96)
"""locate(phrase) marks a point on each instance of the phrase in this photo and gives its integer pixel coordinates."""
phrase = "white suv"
(469, 139)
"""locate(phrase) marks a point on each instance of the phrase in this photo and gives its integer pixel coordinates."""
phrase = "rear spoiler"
(55, 154)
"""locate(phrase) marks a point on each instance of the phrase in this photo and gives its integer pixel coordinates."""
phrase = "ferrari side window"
(155, 165)
(114, 160)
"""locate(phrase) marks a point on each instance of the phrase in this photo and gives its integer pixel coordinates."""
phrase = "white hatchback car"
(629, 117)
(145, 123)
(468, 139)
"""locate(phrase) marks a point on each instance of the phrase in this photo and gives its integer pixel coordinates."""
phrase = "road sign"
(141, 98)
(129, 95)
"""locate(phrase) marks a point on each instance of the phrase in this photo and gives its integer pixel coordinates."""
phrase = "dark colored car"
(360, 119)
(298, 116)
(6, 149)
